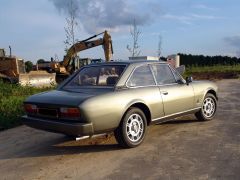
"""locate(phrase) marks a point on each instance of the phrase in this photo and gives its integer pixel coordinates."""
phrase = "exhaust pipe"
(93, 136)
(81, 138)
(10, 49)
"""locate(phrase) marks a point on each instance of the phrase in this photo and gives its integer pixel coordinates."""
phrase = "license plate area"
(47, 112)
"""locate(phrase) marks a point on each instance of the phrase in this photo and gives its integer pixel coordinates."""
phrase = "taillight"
(30, 108)
(69, 112)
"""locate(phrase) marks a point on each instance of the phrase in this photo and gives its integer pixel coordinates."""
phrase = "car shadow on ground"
(57, 147)
(181, 121)
(63, 145)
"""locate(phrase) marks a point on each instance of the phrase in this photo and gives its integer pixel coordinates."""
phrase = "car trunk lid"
(65, 98)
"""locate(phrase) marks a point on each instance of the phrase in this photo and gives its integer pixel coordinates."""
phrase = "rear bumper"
(73, 129)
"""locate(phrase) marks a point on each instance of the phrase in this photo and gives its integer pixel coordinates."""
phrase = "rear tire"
(132, 129)
(208, 109)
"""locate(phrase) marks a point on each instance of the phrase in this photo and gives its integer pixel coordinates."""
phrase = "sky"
(35, 29)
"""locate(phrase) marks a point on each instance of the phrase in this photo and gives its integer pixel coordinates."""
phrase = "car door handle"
(164, 92)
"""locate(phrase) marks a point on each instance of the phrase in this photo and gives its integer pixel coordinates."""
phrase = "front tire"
(132, 129)
(208, 110)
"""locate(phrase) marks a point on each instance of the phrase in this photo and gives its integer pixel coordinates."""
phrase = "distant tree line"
(29, 64)
(200, 60)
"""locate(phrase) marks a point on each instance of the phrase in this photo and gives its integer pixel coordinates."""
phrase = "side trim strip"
(175, 114)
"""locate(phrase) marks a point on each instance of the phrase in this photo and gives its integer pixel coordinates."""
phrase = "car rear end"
(56, 118)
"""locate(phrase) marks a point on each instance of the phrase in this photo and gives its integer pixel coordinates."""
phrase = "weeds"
(212, 69)
(11, 100)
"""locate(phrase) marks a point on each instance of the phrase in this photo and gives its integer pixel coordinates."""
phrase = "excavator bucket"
(37, 79)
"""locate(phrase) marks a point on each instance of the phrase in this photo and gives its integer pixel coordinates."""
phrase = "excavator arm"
(64, 69)
(106, 42)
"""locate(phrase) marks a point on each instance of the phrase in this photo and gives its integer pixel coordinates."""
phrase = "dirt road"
(180, 149)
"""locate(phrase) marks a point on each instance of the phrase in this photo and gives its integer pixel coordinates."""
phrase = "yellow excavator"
(70, 62)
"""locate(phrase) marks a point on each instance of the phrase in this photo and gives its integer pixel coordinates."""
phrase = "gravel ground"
(180, 149)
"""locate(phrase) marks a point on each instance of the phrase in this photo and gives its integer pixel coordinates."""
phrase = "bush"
(11, 100)
(216, 71)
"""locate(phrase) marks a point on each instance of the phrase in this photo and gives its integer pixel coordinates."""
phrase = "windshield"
(105, 75)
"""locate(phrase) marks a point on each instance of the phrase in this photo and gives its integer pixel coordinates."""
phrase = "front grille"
(46, 112)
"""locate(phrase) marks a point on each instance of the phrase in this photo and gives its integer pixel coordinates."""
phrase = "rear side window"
(142, 76)
(163, 74)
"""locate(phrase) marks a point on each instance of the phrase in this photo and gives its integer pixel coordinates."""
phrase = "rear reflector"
(30, 108)
(69, 112)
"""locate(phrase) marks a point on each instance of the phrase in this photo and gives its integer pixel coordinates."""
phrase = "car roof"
(128, 62)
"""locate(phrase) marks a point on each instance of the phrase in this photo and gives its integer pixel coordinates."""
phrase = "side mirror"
(189, 80)
(180, 81)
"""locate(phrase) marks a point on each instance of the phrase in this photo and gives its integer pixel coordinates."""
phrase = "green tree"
(28, 66)
(200, 60)
(40, 61)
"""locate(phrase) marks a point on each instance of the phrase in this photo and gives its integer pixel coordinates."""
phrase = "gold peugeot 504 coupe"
(123, 97)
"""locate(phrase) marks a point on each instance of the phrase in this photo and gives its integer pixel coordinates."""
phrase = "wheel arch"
(200, 115)
(213, 92)
(143, 107)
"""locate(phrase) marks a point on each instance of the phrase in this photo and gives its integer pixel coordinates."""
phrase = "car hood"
(66, 98)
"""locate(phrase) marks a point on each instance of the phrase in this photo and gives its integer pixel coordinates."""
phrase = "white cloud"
(204, 7)
(97, 15)
(182, 19)
(190, 18)
(203, 16)
(234, 41)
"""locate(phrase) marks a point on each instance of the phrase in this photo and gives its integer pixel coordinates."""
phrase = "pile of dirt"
(215, 75)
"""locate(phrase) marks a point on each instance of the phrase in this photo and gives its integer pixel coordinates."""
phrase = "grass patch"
(212, 69)
(216, 68)
(11, 100)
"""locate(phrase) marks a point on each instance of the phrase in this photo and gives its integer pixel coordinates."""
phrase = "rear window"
(106, 75)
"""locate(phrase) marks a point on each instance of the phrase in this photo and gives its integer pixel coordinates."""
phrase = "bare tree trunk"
(159, 51)
(71, 25)
(135, 32)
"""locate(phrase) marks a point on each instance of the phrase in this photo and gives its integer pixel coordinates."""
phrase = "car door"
(177, 96)
(143, 88)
